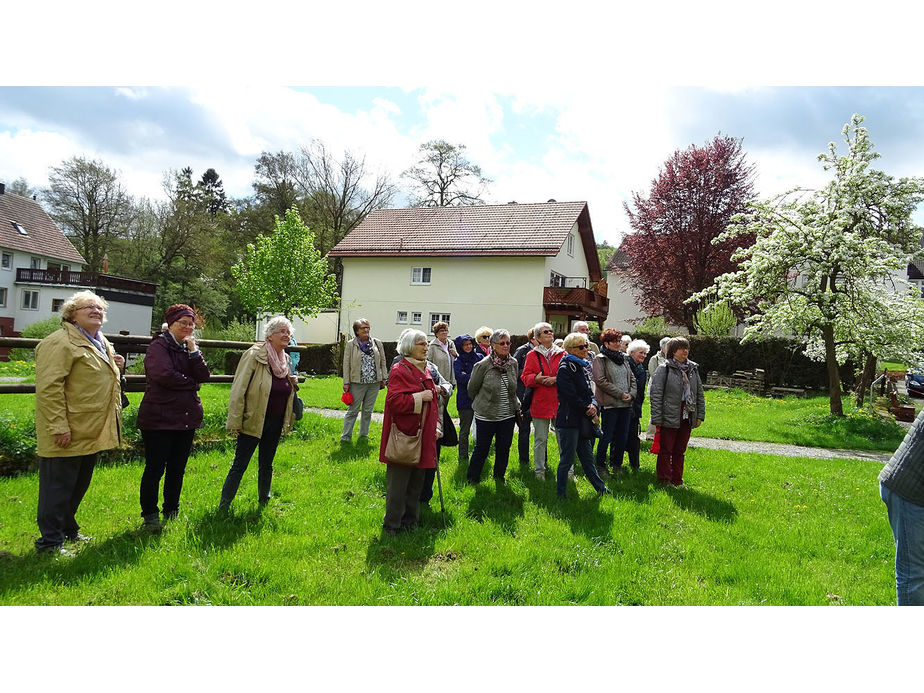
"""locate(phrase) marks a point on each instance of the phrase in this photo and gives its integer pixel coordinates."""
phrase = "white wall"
(500, 292)
(624, 313)
(127, 316)
(569, 265)
(321, 329)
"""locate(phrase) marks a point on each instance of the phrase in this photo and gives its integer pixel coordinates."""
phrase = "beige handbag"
(402, 448)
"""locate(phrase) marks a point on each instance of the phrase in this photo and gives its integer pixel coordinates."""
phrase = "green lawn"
(752, 529)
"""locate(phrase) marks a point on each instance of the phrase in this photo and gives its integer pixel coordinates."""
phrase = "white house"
(624, 313)
(505, 266)
(40, 269)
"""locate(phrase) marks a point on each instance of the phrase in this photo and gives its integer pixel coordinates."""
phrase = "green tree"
(284, 273)
(715, 320)
(443, 176)
(828, 264)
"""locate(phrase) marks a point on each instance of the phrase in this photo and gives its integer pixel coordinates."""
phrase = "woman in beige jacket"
(260, 409)
(78, 413)
(364, 374)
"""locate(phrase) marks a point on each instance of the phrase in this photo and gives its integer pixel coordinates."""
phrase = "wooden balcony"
(95, 280)
(576, 302)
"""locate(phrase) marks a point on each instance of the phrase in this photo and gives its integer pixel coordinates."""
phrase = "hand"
(550, 379)
(699, 422)
(190, 344)
(427, 396)
(626, 397)
(120, 362)
(382, 385)
(62, 440)
(236, 431)
(346, 387)
(591, 410)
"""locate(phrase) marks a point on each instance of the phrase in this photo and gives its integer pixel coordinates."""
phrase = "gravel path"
(780, 449)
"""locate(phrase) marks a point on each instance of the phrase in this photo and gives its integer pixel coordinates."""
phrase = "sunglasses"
(582, 346)
(502, 343)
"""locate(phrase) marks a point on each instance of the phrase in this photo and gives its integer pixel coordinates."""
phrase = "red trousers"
(670, 456)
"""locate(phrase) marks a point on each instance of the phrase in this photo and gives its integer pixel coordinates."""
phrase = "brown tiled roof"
(618, 261)
(511, 229)
(44, 237)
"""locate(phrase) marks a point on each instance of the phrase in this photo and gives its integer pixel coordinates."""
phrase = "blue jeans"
(615, 427)
(569, 442)
(907, 521)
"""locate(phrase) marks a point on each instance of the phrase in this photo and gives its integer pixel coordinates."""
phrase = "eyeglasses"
(99, 308)
(582, 346)
(546, 332)
(502, 343)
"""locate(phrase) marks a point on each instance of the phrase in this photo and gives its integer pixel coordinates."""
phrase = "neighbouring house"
(40, 269)
(624, 313)
(505, 266)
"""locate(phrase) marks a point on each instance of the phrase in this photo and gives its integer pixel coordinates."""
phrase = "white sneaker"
(540, 474)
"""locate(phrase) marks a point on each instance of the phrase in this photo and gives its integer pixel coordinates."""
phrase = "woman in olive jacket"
(170, 411)
(678, 405)
(615, 389)
(260, 409)
(493, 389)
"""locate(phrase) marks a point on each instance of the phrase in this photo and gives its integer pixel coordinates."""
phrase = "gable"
(42, 237)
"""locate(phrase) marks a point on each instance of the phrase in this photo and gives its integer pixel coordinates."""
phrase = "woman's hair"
(481, 331)
(626, 338)
(637, 344)
(574, 338)
(664, 340)
(359, 322)
(440, 326)
(177, 308)
(274, 325)
(675, 344)
(539, 326)
(407, 339)
(78, 301)
(497, 335)
(610, 335)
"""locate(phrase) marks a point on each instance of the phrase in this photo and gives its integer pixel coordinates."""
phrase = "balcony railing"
(98, 280)
(577, 298)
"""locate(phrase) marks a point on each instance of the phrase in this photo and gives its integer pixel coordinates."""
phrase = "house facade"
(624, 313)
(504, 266)
(40, 269)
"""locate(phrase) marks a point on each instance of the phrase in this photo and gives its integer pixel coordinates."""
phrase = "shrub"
(234, 331)
(36, 330)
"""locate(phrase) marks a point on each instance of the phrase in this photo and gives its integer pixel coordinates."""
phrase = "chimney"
(2, 188)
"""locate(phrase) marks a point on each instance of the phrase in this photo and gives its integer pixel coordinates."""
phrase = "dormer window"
(19, 228)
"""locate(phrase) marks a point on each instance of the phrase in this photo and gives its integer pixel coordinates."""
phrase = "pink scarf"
(279, 363)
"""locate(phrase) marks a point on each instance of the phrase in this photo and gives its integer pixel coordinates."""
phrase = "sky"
(534, 145)
(571, 101)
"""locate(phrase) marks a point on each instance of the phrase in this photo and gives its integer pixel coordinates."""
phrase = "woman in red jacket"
(170, 411)
(539, 373)
(410, 386)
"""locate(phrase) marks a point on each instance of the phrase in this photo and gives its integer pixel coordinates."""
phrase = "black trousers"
(426, 491)
(488, 430)
(272, 430)
(63, 482)
(523, 438)
(165, 455)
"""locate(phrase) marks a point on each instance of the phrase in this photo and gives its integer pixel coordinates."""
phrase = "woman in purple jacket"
(170, 411)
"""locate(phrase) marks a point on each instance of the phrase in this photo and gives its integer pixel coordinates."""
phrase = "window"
(56, 304)
(420, 275)
(56, 267)
(2, 297)
(6, 260)
(30, 299)
(402, 317)
(35, 263)
(416, 318)
(19, 228)
(438, 317)
(557, 279)
(571, 244)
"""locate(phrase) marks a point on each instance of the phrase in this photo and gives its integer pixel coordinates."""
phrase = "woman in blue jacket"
(575, 404)
(462, 366)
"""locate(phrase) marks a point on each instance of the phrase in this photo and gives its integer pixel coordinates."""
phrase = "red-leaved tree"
(692, 200)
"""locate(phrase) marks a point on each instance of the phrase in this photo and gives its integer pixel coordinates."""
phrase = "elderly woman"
(410, 405)
(576, 411)
(78, 413)
(677, 406)
(615, 388)
(483, 340)
(493, 389)
(260, 409)
(170, 411)
(462, 367)
(653, 363)
(364, 373)
(442, 351)
(539, 373)
(637, 350)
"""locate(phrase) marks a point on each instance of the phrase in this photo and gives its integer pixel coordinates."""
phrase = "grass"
(752, 529)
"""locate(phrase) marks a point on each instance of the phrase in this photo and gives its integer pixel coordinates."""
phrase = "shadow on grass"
(500, 505)
(582, 511)
(710, 507)
(117, 552)
(394, 556)
(348, 452)
(221, 529)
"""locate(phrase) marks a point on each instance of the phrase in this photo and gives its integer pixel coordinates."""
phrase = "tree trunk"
(866, 379)
(834, 374)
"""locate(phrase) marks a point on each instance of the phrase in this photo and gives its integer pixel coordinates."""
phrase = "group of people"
(581, 391)
(78, 413)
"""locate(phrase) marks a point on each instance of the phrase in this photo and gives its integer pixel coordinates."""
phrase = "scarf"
(689, 405)
(499, 362)
(98, 341)
(616, 356)
(279, 363)
(365, 347)
(419, 364)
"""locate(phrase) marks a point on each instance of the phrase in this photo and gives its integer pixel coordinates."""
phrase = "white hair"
(578, 324)
(626, 338)
(637, 344)
(407, 339)
(497, 335)
(275, 324)
(664, 340)
(539, 326)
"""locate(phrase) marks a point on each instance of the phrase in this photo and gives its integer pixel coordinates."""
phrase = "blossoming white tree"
(827, 264)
